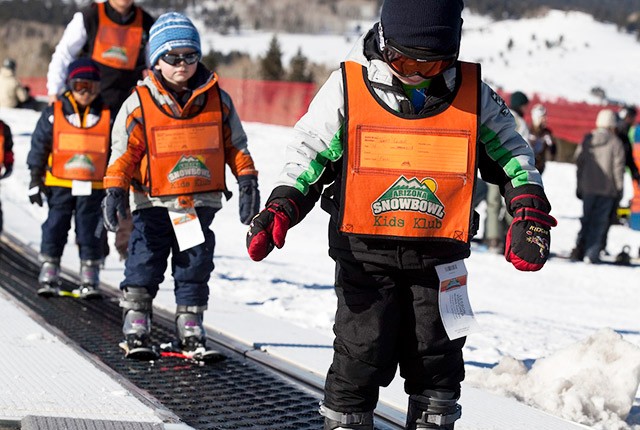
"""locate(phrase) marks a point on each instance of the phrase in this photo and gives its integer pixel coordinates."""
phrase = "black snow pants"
(388, 317)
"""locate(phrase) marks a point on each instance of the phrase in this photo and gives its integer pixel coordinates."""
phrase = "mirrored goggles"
(408, 64)
(173, 59)
(83, 86)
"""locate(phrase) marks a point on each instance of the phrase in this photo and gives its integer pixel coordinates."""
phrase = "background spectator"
(600, 161)
(12, 93)
(541, 137)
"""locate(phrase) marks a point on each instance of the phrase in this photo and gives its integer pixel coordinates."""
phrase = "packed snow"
(565, 340)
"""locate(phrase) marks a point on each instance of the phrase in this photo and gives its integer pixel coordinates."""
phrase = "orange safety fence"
(283, 103)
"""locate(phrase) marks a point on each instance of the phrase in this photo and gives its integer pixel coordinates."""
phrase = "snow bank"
(592, 382)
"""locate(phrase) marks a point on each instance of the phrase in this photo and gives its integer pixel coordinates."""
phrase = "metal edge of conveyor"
(164, 414)
(390, 415)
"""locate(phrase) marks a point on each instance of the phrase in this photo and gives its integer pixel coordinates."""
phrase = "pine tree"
(298, 68)
(271, 65)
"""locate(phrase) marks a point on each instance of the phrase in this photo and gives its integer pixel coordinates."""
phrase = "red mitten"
(529, 237)
(269, 228)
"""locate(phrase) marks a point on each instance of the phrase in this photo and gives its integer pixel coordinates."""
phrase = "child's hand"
(249, 198)
(269, 228)
(114, 205)
(529, 237)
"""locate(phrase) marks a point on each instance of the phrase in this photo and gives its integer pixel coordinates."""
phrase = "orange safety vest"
(1, 144)
(408, 177)
(79, 153)
(185, 155)
(115, 45)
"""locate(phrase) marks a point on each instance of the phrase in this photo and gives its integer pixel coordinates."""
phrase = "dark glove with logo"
(36, 187)
(114, 205)
(269, 227)
(249, 198)
(529, 237)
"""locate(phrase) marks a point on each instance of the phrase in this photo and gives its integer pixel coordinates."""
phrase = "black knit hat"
(432, 24)
(518, 99)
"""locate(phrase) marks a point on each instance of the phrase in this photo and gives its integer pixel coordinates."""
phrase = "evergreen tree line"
(270, 66)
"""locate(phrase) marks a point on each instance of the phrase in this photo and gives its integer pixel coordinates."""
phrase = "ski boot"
(49, 277)
(191, 337)
(89, 280)
(137, 313)
(433, 410)
(334, 420)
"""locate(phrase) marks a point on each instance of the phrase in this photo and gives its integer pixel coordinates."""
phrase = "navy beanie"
(171, 31)
(432, 24)
(83, 68)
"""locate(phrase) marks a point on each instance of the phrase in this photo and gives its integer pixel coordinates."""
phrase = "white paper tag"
(186, 227)
(453, 300)
(80, 188)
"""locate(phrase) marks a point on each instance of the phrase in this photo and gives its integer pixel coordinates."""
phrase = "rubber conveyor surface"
(236, 393)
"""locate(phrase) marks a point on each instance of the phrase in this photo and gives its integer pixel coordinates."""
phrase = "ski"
(87, 293)
(141, 353)
(48, 290)
(200, 355)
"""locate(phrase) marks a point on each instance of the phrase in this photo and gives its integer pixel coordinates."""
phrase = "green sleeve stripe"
(503, 157)
(494, 147)
(317, 165)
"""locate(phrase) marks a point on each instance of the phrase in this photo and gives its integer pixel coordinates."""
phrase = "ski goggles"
(408, 62)
(84, 86)
(407, 66)
(174, 59)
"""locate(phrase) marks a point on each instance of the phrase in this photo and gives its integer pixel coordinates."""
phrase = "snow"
(565, 340)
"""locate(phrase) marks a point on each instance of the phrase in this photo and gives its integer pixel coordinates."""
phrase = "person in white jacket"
(12, 93)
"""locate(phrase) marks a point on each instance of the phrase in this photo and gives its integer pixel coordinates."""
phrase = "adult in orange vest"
(67, 160)
(6, 157)
(172, 139)
(392, 143)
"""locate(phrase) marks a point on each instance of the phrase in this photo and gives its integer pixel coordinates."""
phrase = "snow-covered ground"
(565, 340)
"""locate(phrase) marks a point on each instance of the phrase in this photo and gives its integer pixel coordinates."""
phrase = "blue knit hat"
(432, 24)
(171, 31)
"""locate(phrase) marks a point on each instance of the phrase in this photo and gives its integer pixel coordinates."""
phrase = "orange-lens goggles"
(83, 86)
(407, 67)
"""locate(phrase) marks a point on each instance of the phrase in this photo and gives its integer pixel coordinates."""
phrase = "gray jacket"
(601, 161)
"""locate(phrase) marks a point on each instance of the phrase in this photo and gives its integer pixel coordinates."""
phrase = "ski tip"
(139, 353)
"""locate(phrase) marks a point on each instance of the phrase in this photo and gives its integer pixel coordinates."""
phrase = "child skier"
(67, 160)
(6, 156)
(391, 145)
(171, 140)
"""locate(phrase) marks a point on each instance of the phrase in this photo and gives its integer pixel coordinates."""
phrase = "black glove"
(249, 198)
(8, 169)
(529, 237)
(114, 205)
(36, 187)
(269, 228)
